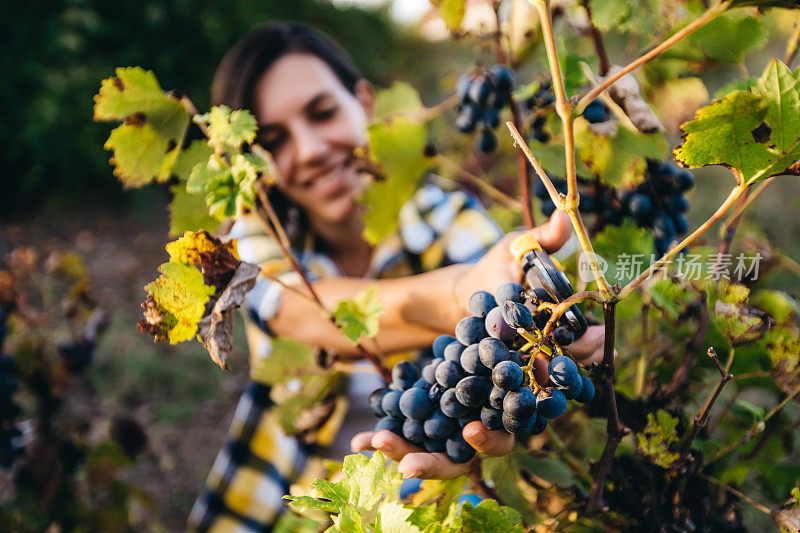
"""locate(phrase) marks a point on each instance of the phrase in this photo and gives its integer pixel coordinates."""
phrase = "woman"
(313, 108)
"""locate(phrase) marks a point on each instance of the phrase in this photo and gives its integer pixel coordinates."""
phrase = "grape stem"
(737, 212)
(597, 40)
(561, 308)
(696, 24)
(575, 218)
(701, 419)
(725, 486)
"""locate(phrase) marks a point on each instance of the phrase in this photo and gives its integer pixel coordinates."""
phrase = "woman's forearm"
(416, 310)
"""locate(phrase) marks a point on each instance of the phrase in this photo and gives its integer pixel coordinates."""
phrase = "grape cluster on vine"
(481, 99)
(489, 372)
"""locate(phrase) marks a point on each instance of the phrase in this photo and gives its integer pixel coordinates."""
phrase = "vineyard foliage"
(700, 414)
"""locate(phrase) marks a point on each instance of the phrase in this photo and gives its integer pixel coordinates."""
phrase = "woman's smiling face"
(311, 124)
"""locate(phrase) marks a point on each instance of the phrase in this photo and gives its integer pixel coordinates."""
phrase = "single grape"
(563, 336)
(492, 418)
(596, 112)
(415, 403)
(429, 371)
(472, 391)
(663, 226)
(520, 404)
(492, 351)
(503, 77)
(640, 206)
(375, 401)
(681, 223)
(662, 244)
(468, 117)
(499, 100)
(440, 344)
(491, 117)
(508, 375)
(471, 361)
(453, 351)
(439, 426)
(413, 431)
(462, 88)
(470, 330)
(392, 424)
(496, 397)
(517, 426)
(449, 373)
(434, 446)
(517, 315)
(479, 90)
(487, 140)
(551, 403)
(496, 325)
(421, 384)
(391, 404)
(685, 180)
(481, 303)
(510, 291)
(563, 371)
(677, 203)
(587, 390)
(458, 449)
(539, 426)
(450, 405)
(515, 356)
(435, 393)
(404, 374)
(472, 416)
(573, 390)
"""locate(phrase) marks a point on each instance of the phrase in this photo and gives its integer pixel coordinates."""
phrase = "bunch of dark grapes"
(482, 97)
(659, 202)
(478, 375)
(538, 106)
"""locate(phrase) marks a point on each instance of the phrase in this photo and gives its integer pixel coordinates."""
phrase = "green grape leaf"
(393, 518)
(337, 493)
(292, 523)
(188, 212)
(148, 144)
(424, 516)
(780, 305)
(358, 317)
(442, 492)
(308, 408)
(181, 292)
(548, 468)
(505, 473)
(229, 190)
(401, 98)
(229, 128)
(452, 12)
(671, 297)
(398, 148)
(302, 504)
(551, 157)
(723, 40)
(619, 160)
(288, 359)
(627, 248)
(368, 479)
(742, 84)
(141, 154)
(490, 517)
(658, 437)
(757, 132)
(608, 14)
(349, 521)
(198, 151)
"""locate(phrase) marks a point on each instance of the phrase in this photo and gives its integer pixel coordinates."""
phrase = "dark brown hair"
(240, 69)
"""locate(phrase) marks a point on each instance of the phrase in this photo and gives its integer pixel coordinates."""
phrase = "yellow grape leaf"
(181, 292)
(452, 12)
(359, 316)
(187, 249)
(147, 146)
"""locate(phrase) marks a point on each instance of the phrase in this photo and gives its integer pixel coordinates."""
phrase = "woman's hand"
(498, 266)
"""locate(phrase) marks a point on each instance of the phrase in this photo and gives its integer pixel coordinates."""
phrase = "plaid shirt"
(259, 462)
